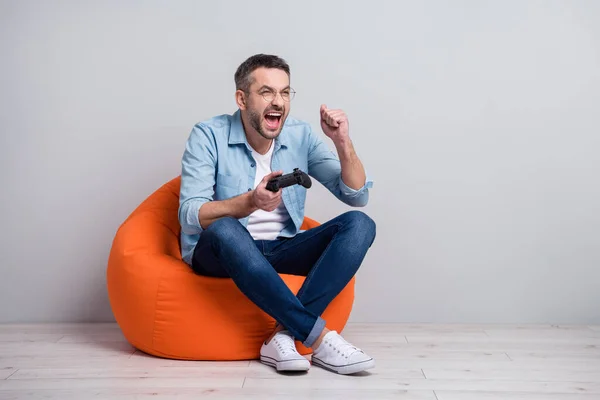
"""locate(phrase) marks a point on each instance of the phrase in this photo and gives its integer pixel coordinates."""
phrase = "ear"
(240, 99)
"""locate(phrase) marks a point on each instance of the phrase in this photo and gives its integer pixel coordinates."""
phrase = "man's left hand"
(334, 124)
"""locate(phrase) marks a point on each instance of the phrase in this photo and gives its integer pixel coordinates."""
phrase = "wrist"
(250, 202)
(344, 147)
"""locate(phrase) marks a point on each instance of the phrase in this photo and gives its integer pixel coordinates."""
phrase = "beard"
(256, 122)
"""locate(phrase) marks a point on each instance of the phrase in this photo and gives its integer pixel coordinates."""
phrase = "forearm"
(237, 207)
(353, 172)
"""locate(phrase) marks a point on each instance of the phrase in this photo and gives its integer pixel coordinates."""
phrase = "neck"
(259, 143)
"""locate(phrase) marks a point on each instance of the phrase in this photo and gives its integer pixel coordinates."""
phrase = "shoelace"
(342, 347)
(285, 343)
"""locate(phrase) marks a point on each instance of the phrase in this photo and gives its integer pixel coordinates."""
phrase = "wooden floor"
(425, 362)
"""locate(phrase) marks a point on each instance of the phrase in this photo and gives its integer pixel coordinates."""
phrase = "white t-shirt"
(265, 225)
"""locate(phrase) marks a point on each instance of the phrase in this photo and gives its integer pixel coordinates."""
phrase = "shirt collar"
(237, 135)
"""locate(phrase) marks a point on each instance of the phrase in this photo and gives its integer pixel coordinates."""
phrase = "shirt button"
(249, 189)
(252, 165)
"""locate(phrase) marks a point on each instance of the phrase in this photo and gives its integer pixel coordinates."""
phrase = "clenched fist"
(265, 199)
(334, 124)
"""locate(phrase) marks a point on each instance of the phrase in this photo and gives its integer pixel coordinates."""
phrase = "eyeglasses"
(287, 95)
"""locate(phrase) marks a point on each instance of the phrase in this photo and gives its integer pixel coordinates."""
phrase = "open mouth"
(273, 119)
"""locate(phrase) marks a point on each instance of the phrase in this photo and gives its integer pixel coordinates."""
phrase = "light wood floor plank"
(43, 349)
(200, 372)
(254, 370)
(504, 340)
(167, 393)
(111, 360)
(512, 373)
(388, 334)
(116, 336)
(6, 372)
(581, 365)
(62, 328)
(131, 383)
(593, 356)
(408, 353)
(458, 395)
(30, 337)
(536, 332)
(500, 346)
(369, 382)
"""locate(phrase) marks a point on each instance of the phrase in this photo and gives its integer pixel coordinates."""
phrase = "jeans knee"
(362, 224)
(225, 229)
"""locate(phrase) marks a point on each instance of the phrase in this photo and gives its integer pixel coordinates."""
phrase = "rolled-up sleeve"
(197, 178)
(325, 166)
(356, 197)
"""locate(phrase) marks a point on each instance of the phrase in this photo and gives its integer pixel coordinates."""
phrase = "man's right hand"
(265, 199)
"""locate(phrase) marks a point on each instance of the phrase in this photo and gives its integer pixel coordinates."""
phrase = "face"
(266, 117)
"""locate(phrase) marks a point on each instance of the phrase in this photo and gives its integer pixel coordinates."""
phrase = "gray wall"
(478, 120)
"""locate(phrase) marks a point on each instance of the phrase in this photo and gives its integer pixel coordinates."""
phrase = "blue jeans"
(328, 255)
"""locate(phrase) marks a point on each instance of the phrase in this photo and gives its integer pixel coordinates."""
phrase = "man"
(232, 226)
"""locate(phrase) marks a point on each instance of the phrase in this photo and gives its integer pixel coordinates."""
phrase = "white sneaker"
(336, 354)
(281, 353)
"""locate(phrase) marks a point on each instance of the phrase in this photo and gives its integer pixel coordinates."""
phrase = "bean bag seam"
(160, 280)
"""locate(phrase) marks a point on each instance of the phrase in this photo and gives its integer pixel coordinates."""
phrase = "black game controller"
(297, 177)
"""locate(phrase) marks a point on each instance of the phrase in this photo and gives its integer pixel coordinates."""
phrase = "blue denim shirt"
(217, 164)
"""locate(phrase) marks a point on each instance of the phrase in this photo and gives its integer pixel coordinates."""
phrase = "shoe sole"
(289, 365)
(345, 369)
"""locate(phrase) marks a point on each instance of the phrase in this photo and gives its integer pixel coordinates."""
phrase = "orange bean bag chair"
(165, 309)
